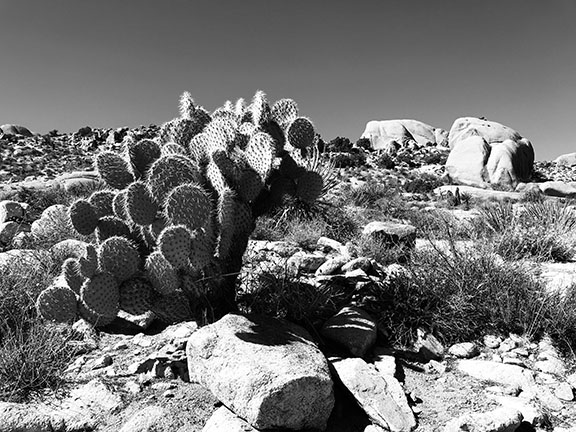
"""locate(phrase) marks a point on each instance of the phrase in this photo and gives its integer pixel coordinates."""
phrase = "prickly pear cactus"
(173, 226)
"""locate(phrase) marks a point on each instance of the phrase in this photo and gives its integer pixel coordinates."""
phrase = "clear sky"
(108, 63)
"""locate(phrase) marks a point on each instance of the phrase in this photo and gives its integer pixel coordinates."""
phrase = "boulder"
(353, 329)
(79, 181)
(568, 159)
(380, 396)
(265, 370)
(11, 129)
(503, 374)
(486, 152)
(389, 134)
(558, 189)
(467, 161)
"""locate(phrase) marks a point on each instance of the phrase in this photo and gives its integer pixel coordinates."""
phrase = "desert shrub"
(435, 158)
(279, 294)
(364, 143)
(339, 144)
(33, 355)
(368, 195)
(461, 296)
(346, 160)
(424, 184)
(380, 250)
(304, 224)
(540, 230)
(533, 196)
(384, 160)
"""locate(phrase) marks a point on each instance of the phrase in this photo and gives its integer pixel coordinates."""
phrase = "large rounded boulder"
(485, 153)
(390, 134)
(10, 129)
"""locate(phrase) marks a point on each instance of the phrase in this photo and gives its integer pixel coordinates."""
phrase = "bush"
(541, 230)
(339, 145)
(424, 184)
(364, 143)
(33, 355)
(384, 160)
(463, 295)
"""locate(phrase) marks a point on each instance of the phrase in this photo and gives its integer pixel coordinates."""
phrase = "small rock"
(304, 262)
(507, 345)
(353, 329)
(428, 346)
(145, 420)
(362, 263)
(385, 364)
(331, 266)
(551, 365)
(491, 341)
(434, 366)
(100, 362)
(564, 391)
(142, 340)
(464, 350)
(133, 387)
(328, 243)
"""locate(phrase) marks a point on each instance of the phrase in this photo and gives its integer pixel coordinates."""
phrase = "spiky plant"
(174, 225)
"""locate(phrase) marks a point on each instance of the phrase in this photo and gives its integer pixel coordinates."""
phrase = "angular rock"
(428, 346)
(10, 211)
(498, 420)
(381, 397)
(303, 262)
(392, 233)
(225, 420)
(265, 370)
(503, 374)
(564, 392)
(353, 329)
(464, 350)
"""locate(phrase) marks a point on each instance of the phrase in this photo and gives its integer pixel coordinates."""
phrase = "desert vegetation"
(168, 233)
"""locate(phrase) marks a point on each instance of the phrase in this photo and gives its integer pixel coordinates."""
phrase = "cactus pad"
(57, 303)
(171, 308)
(161, 273)
(301, 133)
(113, 169)
(259, 154)
(140, 205)
(142, 155)
(135, 296)
(83, 217)
(189, 205)
(284, 112)
(88, 262)
(110, 226)
(71, 271)
(101, 202)
(100, 297)
(175, 242)
(119, 257)
(169, 172)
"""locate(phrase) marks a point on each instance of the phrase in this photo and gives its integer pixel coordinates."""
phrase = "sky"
(65, 64)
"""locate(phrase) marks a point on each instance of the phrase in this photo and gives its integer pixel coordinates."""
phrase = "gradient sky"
(108, 63)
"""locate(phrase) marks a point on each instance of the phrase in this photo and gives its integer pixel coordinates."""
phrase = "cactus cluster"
(174, 222)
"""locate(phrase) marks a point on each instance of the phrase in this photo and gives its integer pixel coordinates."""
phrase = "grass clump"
(544, 231)
(466, 293)
(33, 355)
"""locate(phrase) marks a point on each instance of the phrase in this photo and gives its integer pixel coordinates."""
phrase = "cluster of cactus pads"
(173, 223)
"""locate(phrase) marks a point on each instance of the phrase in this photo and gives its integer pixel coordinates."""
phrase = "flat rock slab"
(479, 193)
(500, 373)
(381, 397)
(498, 420)
(265, 370)
(391, 232)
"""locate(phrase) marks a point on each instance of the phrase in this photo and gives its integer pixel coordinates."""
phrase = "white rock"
(266, 371)
(145, 420)
(498, 420)
(381, 397)
(225, 420)
(503, 374)
(464, 350)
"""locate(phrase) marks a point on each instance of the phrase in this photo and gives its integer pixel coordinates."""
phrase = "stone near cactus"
(381, 397)
(485, 152)
(402, 133)
(351, 328)
(11, 211)
(280, 379)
